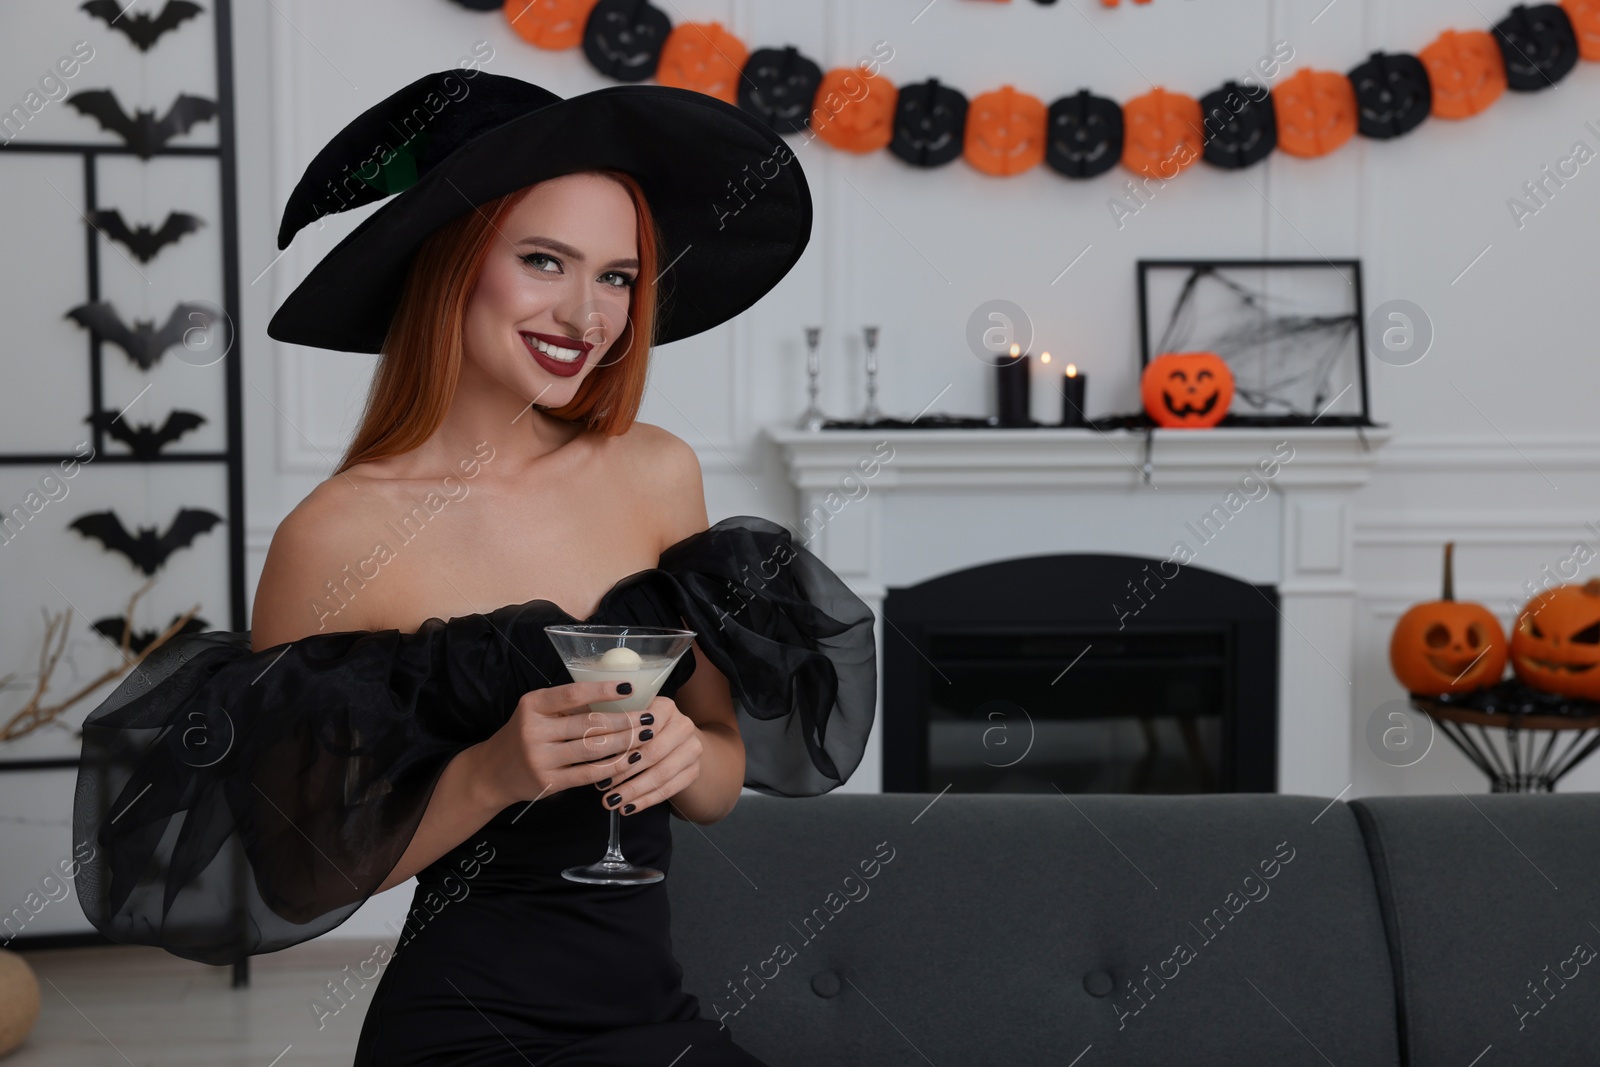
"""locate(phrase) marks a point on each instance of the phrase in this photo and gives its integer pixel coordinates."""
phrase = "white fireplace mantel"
(897, 507)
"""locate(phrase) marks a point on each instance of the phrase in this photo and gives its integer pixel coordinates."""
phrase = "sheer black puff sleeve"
(232, 802)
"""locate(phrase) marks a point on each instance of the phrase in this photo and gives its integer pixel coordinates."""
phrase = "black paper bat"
(143, 343)
(143, 30)
(145, 440)
(142, 131)
(112, 626)
(148, 549)
(142, 240)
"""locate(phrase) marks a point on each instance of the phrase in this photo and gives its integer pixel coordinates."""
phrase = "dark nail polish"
(634, 758)
(627, 809)
(647, 718)
(602, 783)
(624, 688)
(645, 735)
(613, 798)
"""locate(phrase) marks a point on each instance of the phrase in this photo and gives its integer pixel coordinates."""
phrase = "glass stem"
(614, 844)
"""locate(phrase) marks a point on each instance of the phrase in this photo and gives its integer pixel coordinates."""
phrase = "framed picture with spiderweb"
(1291, 330)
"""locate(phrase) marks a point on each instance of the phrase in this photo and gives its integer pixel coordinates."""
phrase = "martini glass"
(643, 655)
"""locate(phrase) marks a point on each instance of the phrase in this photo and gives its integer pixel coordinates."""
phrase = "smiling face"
(1556, 643)
(1187, 389)
(554, 293)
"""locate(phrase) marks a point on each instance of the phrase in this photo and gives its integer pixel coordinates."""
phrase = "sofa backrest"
(1491, 904)
(858, 929)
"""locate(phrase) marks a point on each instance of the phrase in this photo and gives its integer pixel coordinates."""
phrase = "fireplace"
(1087, 673)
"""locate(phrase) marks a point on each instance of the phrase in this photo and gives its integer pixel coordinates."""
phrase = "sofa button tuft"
(826, 984)
(1097, 983)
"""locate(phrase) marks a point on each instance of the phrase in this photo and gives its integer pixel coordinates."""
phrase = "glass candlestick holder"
(811, 418)
(871, 413)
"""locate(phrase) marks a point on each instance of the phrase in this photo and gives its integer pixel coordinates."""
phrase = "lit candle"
(1011, 384)
(1073, 386)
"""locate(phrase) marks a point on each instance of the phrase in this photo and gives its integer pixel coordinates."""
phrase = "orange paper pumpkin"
(704, 57)
(553, 24)
(1006, 132)
(1187, 390)
(1466, 71)
(1447, 645)
(1585, 18)
(1556, 643)
(1161, 133)
(1316, 112)
(864, 121)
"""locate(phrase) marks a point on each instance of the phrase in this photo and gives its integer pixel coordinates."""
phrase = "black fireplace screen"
(1084, 673)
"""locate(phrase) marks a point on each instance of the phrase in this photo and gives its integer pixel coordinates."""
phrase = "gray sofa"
(1195, 930)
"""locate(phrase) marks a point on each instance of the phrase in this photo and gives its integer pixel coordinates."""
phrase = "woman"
(244, 792)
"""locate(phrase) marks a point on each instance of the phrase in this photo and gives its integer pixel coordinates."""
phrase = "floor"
(128, 1005)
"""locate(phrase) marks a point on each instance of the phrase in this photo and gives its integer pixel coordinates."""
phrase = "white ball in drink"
(647, 673)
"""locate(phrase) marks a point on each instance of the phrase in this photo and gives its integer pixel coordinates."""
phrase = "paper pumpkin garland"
(552, 24)
(1161, 133)
(1008, 131)
(704, 57)
(930, 124)
(623, 38)
(1393, 93)
(1084, 135)
(1186, 390)
(1447, 645)
(1005, 132)
(1537, 46)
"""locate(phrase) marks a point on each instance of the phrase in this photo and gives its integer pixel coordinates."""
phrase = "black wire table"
(1523, 739)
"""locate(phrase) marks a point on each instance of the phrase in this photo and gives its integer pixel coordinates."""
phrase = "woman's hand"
(554, 742)
(666, 762)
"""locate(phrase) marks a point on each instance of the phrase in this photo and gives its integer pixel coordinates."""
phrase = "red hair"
(420, 367)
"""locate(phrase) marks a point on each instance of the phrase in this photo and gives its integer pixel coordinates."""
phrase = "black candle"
(1073, 386)
(1011, 385)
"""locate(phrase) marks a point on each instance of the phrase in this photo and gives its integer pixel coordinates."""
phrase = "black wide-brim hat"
(729, 198)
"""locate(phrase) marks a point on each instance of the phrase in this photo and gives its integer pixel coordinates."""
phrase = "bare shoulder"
(309, 546)
(664, 470)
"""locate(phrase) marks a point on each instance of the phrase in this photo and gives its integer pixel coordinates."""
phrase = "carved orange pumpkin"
(553, 24)
(1005, 132)
(1585, 18)
(1316, 111)
(1466, 71)
(1447, 645)
(864, 121)
(1161, 133)
(1187, 390)
(1556, 643)
(704, 57)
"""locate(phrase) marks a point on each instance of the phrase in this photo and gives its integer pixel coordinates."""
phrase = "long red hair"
(420, 365)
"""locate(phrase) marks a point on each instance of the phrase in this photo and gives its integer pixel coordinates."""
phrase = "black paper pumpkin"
(624, 38)
(1393, 93)
(1240, 128)
(1084, 135)
(1538, 46)
(930, 124)
(778, 87)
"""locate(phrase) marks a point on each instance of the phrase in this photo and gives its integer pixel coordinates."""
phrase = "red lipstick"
(560, 368)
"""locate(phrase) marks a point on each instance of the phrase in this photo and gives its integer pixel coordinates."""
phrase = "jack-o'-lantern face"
(704, 57)
(1005, 132)
(1241, 125)
(930, 124)
(778, 87)
(1556, 643)
(1465, 71)
(854, 110)
(624, 38)
(1085, 135)
(1585, 18)
(1187, 390)
(1161, 134)
(553, 24)
(1316, 112)
(1537, 45)
(1393, 91)
(1446, 645)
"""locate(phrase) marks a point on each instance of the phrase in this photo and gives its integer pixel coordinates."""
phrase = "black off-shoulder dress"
(232, 802)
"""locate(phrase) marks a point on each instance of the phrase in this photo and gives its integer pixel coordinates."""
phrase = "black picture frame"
(1350, 268)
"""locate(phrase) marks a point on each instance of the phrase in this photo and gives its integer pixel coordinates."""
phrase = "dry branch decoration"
(35, 713)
